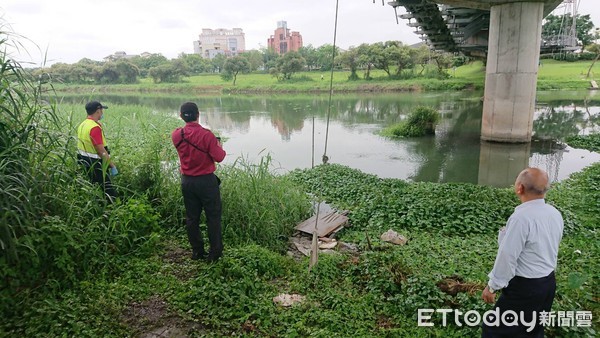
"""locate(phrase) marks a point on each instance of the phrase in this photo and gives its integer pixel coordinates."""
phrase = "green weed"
(420, 122)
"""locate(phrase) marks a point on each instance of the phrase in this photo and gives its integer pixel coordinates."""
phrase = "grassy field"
(552, 75)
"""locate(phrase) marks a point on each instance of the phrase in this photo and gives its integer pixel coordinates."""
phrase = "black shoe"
(213, 258)
(196, 255)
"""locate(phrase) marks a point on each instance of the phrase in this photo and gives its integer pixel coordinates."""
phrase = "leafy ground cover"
(373, 293)
(590, 142)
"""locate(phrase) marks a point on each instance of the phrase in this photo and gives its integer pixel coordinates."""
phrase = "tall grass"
(55, 226)
(26, 140)
(259, 207)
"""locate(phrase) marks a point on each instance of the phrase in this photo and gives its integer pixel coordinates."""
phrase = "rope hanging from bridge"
(325, 158)
(314, 252)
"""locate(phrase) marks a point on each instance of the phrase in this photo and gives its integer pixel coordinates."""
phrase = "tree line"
(392, 57)
(396, 59)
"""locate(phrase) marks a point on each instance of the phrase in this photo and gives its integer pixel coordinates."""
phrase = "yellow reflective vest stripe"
(84, 140)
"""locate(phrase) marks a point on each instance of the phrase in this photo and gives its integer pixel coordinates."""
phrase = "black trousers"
(526, 295)
(202, 193)
(93, 169)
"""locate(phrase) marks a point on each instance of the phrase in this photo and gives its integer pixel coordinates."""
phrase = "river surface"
(296, 130)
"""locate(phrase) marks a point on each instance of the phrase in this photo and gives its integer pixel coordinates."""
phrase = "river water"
(296, 130)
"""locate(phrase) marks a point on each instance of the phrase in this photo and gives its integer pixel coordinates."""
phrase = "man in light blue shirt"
(526, 259)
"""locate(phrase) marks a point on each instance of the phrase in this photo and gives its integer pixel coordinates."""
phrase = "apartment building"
(282, 41)
(212, 42)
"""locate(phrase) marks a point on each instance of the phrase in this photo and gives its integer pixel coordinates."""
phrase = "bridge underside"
(463, 25)
(508, 33)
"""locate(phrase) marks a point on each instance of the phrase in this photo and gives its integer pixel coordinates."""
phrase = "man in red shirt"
(198, 150)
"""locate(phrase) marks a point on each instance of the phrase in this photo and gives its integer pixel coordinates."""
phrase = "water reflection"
(499, 163)
(282, 125)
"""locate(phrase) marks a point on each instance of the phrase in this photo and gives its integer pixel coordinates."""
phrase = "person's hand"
(487, 296)
(114, 171)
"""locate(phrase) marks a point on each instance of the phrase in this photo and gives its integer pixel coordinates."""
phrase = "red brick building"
(283, 41)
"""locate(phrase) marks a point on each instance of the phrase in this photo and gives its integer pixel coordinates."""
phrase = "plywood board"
(327, 223)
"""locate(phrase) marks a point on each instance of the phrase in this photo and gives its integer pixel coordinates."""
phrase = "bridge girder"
(456, 25)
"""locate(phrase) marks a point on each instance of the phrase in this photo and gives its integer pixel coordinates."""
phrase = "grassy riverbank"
(374, 291)
(73, 266)
(552, 75)
(87, 269)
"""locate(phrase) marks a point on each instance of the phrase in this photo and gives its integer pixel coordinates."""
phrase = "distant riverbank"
(552, 75)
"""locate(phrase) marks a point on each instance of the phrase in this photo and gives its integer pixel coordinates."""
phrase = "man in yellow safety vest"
(92, 151)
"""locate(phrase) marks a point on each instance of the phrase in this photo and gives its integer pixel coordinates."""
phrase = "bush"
(587, 56)
(259, 207)
(569, 57)
(420, 122)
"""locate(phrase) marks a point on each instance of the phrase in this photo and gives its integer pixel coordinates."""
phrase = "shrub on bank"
(420, 122)
(589, 142)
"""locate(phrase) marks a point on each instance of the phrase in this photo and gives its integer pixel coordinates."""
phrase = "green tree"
(255, 59)
(366, 59)
(287, 65)
(180, 67)
(128, 72)
(380, 56)
(270, 58)
(351, 60)
(164, 73)
(561, 24)
(324, 57)
(218, 62)
(145, 63)
(443, 61)
(108, 73)
(86, 70)
(420, 57)
(60, 72)
(403, 58)
(309, 53)
(195, 63)
(233, 66)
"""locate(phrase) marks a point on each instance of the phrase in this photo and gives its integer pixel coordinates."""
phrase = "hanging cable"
(312, 154)
(325, 158)
(314, 248)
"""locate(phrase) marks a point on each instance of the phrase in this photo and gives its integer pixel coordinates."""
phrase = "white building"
(220, 41)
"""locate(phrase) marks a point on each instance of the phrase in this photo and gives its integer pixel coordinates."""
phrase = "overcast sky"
(69, 30)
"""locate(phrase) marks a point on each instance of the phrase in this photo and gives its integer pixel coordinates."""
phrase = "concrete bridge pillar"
(511, 71)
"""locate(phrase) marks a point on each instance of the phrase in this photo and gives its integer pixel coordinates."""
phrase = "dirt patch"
(175, 255)
(178, 262)
(454, 284)
(152, 318)
(384, 322)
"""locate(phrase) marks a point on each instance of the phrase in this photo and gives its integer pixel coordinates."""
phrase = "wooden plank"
(327, 223)
(594, 84)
